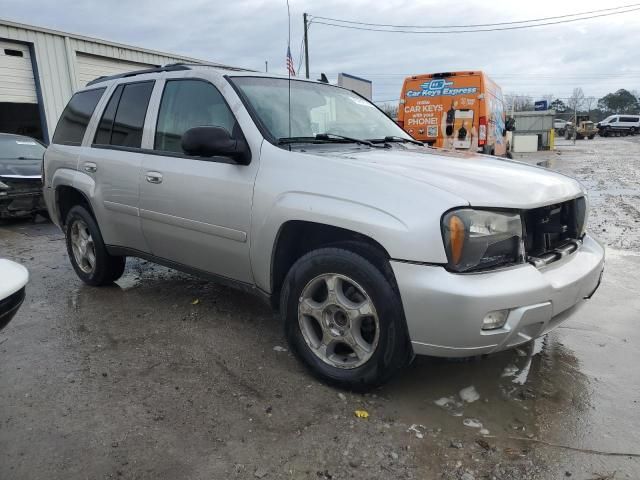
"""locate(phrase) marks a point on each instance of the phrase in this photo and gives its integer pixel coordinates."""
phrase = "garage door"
(16, 75)
(90, 67)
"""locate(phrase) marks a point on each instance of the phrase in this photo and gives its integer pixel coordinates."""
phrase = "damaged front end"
(20, 196)
(20, 176)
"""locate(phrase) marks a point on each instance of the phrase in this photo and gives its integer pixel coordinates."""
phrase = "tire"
(591, 136)
(87, 251)
(325, 350)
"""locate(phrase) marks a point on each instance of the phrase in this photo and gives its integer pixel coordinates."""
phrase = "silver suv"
(372, 246)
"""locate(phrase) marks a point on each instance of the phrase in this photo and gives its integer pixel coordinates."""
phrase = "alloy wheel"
(338, 321)
(82, 246)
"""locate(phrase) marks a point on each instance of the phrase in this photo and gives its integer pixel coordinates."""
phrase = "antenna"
(289, 69)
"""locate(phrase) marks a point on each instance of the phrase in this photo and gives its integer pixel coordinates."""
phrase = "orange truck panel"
(455, 110)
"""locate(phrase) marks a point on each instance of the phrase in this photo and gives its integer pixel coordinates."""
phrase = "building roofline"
(35, 28)
(348, 75)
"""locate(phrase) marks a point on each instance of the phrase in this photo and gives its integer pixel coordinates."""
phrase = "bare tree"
(576, 100)
(390, 109)
(518, 103)
(588, 103)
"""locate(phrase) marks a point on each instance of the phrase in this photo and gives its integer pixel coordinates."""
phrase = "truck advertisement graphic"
(458, 110)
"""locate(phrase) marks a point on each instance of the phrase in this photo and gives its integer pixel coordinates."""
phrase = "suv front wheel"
(344, 319)
(87, 251)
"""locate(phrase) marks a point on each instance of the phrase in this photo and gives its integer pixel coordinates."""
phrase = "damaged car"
(373, 246)
(20, 176)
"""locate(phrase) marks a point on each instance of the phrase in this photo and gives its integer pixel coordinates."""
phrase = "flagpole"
(288, 68)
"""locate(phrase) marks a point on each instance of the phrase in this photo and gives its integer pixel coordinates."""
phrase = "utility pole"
(575, 122)
(306, 45)
(266, 66)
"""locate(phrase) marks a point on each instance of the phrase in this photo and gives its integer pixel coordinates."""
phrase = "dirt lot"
(141, 381)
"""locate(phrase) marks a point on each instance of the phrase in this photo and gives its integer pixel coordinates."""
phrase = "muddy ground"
(140, 381)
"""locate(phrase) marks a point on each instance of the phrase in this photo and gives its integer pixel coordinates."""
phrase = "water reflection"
(503, 394)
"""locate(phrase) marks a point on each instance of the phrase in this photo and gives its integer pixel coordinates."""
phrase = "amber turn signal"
(456, 232)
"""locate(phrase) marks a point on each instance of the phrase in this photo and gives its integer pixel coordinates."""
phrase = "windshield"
(315, 109)
(14, 147)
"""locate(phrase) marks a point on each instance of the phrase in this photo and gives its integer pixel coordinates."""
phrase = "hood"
(19, 168)
(481, 180)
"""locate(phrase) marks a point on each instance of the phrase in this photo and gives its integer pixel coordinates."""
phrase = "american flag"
(292, 70)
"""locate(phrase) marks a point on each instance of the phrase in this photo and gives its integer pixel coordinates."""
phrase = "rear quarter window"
(75, 117)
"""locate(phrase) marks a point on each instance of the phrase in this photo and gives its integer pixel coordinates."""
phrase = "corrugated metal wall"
(55, 57)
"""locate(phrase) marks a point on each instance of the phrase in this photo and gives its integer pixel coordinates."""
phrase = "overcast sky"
(600, 55)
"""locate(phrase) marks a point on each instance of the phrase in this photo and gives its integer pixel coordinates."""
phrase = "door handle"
(90, 167)
(154, 177)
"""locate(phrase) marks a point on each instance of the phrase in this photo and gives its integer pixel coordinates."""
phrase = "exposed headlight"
(480, 239)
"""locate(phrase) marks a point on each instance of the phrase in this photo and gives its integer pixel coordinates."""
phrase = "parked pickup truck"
(372, 246)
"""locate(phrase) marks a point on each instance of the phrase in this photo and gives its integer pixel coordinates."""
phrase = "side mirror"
(209, 141)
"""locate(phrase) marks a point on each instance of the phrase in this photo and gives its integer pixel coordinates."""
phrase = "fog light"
(495, 319)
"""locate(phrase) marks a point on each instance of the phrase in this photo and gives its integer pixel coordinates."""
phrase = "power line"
(445, 32)
(478, 24)
(515, 75)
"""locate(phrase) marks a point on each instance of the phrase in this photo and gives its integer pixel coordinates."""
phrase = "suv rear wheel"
(344, 319)
(87, 251)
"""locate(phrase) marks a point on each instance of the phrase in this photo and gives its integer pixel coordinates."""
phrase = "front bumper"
(21, 205)
(444, 310)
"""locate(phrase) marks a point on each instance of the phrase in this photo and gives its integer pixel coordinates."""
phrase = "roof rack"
(165, 68)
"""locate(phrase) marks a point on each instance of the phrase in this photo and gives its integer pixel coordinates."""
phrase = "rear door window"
(75, 117)
(186, 104)
(129, 119)
(103, 134)
(122, 121)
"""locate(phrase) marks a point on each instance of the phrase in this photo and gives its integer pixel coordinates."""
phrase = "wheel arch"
(71, 188)
(295, 238)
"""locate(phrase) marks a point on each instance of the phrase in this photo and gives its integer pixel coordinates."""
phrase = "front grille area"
(22, 186)
(551, 232)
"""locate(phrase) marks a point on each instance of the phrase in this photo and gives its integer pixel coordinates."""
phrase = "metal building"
(41, 68)
(533, 131)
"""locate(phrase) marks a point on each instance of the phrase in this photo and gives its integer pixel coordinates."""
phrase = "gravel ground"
(610, 170)
(140, 381)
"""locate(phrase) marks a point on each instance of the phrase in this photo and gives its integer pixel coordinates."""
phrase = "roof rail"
(166, 68)
(212, 65)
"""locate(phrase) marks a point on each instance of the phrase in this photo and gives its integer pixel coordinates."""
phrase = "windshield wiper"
(395, 138)
(327, 138)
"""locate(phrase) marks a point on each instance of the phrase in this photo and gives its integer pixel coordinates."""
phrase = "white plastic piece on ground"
(444, 401)
(472, 423)
(469, 394)
(417, 429)
(278, 348)
(510, 371)
(484, 431)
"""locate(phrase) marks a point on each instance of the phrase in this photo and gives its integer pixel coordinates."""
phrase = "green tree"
(558, 105)
(622, 101)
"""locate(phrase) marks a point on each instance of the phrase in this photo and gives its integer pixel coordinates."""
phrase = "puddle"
(486, 395)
